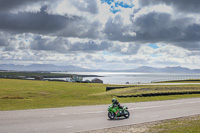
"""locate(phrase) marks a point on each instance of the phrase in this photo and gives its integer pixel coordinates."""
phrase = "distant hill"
(70, 68)
(145, 69)
(178, 69)
(39, 67)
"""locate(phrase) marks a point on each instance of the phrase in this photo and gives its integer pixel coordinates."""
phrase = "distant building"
(87, 81)
(76, 78)
(96, 80)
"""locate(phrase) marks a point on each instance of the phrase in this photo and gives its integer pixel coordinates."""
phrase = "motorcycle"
(115, 111)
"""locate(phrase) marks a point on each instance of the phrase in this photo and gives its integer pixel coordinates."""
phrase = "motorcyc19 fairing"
(115, 111)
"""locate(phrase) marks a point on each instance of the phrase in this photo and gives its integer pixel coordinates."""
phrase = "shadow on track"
(117, 119)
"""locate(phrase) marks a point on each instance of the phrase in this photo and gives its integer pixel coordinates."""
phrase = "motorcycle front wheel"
(126, 114)
(111, 115)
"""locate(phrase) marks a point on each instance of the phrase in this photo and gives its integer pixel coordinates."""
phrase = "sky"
(101, 34)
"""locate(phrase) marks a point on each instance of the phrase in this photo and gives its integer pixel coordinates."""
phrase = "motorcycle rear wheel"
(111, 115)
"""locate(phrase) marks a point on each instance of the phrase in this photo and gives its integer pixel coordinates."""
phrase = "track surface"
(84, 118)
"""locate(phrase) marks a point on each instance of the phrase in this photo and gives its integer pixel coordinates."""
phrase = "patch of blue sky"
(152, 45)
(154, 55)
(163, 45)
(115, 5)
(105, 53)
(124, 5)
(107, 1)
(114, 10)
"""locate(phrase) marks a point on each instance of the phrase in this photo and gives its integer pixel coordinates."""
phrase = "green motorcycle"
(115, 111)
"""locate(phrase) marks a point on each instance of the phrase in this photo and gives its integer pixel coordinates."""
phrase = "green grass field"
(30, 94)
(180, 125)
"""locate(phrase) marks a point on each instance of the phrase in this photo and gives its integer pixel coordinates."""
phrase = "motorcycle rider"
(116, 103)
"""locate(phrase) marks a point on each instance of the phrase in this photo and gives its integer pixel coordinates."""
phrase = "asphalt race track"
(84, 118)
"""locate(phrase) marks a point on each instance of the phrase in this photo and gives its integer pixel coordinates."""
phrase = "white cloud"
(88, 34)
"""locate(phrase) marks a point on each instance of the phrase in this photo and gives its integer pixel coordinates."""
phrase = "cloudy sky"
(101, 34)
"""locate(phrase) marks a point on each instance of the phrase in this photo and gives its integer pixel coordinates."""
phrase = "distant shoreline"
(34, 74)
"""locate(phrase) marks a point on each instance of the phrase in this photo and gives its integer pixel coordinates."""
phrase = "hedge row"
(160, 94)
(112, 88)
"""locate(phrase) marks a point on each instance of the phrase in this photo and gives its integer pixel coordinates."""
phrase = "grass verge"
(189, 124)
(180, 125)
(24, 94)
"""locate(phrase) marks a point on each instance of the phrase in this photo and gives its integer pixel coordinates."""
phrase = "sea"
(122, 78)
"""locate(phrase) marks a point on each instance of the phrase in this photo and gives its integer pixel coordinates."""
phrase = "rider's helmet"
(113, 100)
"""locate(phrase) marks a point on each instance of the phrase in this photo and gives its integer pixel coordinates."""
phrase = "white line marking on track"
(82, 113)
(154, 116)
(63, 114)
(136, 108)
(49, 115)
(69, 126)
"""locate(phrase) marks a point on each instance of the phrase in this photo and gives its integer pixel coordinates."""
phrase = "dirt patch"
(143, 127)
